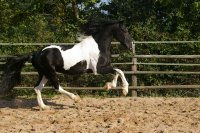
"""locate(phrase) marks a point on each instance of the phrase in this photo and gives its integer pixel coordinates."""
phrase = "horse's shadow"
(31, 104)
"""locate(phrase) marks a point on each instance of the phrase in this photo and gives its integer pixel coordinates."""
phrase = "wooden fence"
(134, 72)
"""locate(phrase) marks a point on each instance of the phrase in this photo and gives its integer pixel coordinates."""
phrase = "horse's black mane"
(95, 24)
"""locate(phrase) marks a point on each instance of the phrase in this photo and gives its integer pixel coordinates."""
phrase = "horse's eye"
(124, 29)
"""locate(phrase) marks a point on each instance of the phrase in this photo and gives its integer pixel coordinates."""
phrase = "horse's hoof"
(77, 99)
(125, 90)
(108, 86)
(44, 107)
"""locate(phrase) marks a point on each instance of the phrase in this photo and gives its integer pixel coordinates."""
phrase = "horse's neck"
(104, 42)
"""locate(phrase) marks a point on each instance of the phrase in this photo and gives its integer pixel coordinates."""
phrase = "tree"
(177, 19)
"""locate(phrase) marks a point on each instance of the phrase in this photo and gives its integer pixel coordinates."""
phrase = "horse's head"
(120, 32)
(102, 29)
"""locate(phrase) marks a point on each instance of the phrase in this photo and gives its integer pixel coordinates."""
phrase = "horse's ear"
(122, 22)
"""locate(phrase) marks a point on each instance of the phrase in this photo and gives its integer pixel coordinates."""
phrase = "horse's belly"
(79, 68)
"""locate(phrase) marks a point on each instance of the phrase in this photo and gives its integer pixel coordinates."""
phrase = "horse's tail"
(12, 74)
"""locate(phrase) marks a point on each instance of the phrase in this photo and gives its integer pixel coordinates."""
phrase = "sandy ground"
(101, 115)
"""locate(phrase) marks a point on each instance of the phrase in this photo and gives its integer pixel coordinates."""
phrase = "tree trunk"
(75, 9)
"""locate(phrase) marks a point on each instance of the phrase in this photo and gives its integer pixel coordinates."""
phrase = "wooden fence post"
(134, 69)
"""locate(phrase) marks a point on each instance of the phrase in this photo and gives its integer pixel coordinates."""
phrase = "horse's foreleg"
(41, 83)
(124, 81)
(109, 85)
(109, 69)
(125, 84)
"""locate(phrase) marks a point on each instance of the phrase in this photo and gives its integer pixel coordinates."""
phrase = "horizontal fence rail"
(168, 56)
(131, 72)
(138, 88)
(164, 42)
(160, 72)
(134, 72)
(135, 42)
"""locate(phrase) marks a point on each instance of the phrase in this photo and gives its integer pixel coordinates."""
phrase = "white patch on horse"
(38, 90)
(71, 95)
(124, 81)
(86, 50)
(109, 85)
(52, 46)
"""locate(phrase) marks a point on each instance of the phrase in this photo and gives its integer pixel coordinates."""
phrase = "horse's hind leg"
(52, 76)
(38, 88)
(71, 95)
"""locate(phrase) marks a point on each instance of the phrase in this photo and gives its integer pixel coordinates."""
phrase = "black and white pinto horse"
(91, 55)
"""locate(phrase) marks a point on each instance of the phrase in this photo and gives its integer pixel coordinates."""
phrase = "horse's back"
(53, 57)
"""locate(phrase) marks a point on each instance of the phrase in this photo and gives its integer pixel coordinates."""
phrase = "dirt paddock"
(101, 115)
